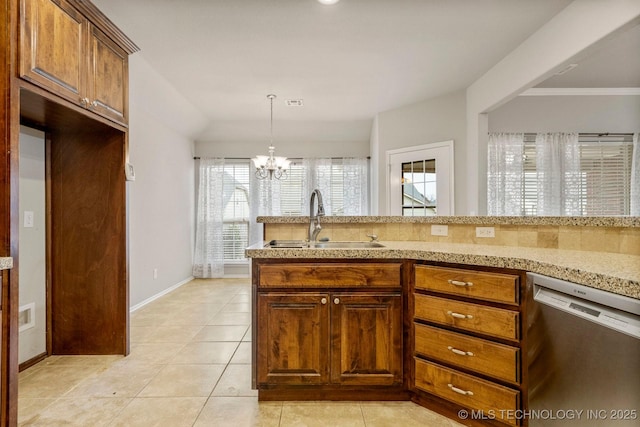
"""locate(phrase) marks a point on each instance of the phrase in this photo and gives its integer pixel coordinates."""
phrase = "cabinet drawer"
(467, 390)
(474, 284)
(335, 275)
(471, 317)
(497, 360)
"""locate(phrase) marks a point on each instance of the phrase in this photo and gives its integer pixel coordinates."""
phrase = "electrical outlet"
(439, 230)
(485, 232)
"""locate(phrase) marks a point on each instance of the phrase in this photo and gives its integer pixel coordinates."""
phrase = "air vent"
(294, 103)
(26, 317)
(566, 69)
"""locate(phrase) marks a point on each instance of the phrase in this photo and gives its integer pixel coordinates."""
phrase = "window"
(235, 229)
(604, 184)
(342, 182)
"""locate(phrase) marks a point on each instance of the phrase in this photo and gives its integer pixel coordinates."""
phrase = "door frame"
(441, 146)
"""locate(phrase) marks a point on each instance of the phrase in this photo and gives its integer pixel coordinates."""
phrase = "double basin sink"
(300, 244)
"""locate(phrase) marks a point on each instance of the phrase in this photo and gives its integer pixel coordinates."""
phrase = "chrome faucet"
(314, 218)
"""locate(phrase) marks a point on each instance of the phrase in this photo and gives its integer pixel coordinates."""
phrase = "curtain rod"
(297, 158)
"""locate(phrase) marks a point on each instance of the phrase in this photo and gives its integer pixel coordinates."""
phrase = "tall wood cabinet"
(64, 70)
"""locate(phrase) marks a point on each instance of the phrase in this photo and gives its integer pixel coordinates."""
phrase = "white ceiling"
(348, 62)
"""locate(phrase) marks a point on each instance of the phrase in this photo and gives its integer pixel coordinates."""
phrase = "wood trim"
(34, 360)
(101, 21)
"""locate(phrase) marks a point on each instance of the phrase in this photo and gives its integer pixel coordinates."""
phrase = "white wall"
(161, 199)
(434, 120)
(567, 114)
(568, 37)
(32, 249)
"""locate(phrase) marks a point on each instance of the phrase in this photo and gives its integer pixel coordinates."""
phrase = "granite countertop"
(584, 221)
(611, 272)
(6, 263)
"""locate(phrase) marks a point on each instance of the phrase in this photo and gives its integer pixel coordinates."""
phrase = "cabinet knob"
(459, 390)
(459, 283)
(323, 301)
(94, 103)
(84, 101)
(336, 301)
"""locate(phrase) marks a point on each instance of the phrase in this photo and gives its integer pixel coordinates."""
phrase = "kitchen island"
(326, 321)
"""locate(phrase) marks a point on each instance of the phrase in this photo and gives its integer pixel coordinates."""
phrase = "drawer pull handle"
(460, 391)
(460, 352)
(459, 283)
(459, 316)
(323, 301)
(336, 301)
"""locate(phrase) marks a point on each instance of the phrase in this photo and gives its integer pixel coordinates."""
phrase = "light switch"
(28, 219)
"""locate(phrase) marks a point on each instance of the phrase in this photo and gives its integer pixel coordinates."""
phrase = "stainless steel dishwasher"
(583, 355)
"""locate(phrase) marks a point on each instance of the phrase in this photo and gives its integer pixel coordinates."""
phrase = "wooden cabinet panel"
(108, 72)
(63, 52)
(52, 52)
(293, 338)
(366, 339)
(503, 288)
(497, 360)
(333, 275)
(467, 390)
(470, 317)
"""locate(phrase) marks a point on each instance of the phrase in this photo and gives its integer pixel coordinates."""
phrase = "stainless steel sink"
(294, 244)
(299, 244)
(346, 245)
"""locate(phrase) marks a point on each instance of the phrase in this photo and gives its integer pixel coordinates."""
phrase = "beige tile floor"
(189, 366)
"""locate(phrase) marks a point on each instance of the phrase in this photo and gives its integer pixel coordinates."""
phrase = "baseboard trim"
(29, 363)
(160, 294)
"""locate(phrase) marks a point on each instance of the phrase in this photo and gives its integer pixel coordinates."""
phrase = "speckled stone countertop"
(593, 221)
(611, 272)
(6, 263)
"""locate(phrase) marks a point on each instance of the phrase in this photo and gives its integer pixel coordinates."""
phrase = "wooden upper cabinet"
(64, 52)
(108, 71)
(52, 48)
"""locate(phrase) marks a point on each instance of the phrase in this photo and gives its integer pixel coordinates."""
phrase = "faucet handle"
(373, 237)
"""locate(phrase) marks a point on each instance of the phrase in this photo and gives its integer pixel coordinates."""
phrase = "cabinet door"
(108, 74)
(53, 40)
(293, 338)
(366, 331)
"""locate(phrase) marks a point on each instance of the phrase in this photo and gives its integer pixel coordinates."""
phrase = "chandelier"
(271, 166)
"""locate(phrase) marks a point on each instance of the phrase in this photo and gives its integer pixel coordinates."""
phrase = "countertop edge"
(629, 221)
(615, 273)
(6, 263)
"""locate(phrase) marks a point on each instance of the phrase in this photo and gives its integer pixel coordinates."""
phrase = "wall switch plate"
(155, 273)
(439, 230)
(485, 232)
(28, 219)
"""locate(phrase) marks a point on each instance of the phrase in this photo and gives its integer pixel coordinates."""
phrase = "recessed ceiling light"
(328, 2)
(294, 103)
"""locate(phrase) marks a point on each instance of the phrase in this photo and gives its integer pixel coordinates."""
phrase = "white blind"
(235, 230)
(604, 186)
(292, 191)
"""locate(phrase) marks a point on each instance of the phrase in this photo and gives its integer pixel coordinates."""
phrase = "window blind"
(605, 165)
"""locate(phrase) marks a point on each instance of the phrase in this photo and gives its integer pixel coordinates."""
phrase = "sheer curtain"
(505, 173)
(317, 175)
(264, 201)
(635, 177)
(356, 186)
(559, 176)
(209, 251)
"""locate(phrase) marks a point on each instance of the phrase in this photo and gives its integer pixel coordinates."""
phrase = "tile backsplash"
(624, 240)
